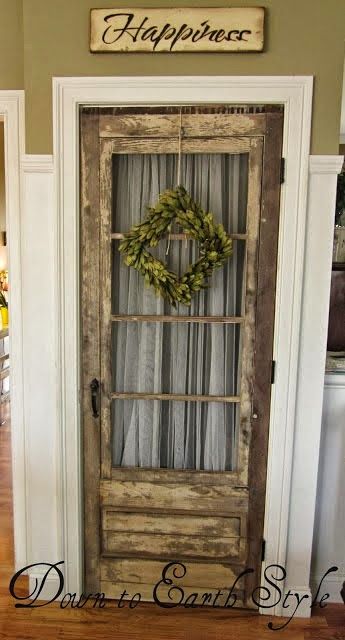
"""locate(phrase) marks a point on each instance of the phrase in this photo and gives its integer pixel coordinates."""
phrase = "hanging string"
(179, 163)
(179, 151)
(178, 170)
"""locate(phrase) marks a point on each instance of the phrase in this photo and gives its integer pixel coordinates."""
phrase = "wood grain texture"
(200, 319)
(248, 333)
(265, 310)
(213, 108)
(199, 595)
(4, 373)
(193, 125)
(163, 145)
(171, 546)
(152, 499)
(6, 498)
(90, 328)
(187, 525)
(150, 622)
(150, 572)
(189, 476)
(184, 237)
(105, 284)
(177, 397)
(193, 498)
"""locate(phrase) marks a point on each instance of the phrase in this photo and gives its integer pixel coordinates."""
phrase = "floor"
(145, 622)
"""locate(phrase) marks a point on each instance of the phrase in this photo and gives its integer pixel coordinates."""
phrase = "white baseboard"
(331, 585)
(294, 607)
(49, 590)
(303, 609)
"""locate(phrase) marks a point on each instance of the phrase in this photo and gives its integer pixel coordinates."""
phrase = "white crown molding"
(37, 163)
(95, 84)
(326, 164)
(295, 93)
(12, 113)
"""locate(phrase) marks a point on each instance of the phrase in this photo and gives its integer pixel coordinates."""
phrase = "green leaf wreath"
(215, 246)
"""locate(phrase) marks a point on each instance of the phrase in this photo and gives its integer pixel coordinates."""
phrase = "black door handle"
(94, 386)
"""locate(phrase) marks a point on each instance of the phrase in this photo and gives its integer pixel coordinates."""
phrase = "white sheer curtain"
(183, 358)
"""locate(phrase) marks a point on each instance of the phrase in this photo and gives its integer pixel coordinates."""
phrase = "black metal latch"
(94, 386)
(263, 550)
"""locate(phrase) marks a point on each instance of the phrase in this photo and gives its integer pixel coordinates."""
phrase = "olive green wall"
(2, 180)
(11, 44)
(303, 37)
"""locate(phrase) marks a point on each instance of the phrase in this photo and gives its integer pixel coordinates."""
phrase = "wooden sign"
(180, 29)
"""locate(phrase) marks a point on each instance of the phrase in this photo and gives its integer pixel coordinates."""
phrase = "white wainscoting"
(311, 368)
(38, 222)
(329, 531)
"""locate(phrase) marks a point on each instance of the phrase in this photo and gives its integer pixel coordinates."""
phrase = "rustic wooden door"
(146, 503)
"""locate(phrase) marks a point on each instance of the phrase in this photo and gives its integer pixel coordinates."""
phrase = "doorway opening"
(6, 494)
(176, 400)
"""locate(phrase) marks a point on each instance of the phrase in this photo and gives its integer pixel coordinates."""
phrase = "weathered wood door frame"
(259, 135)
(296, 95)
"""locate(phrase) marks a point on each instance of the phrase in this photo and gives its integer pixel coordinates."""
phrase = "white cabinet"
(329, 529)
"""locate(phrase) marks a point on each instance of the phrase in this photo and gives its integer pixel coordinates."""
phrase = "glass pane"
(183, 358)
(219, 183)
(174, 435)
(186, 358)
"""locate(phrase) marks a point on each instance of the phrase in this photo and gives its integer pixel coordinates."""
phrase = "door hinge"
(273, 372)
(282, 170)
(263, 550)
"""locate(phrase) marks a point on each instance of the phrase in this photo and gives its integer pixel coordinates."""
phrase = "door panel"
(166, 125)
(145, 507)
(172, 545)
(179, 524)
(180, 496)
